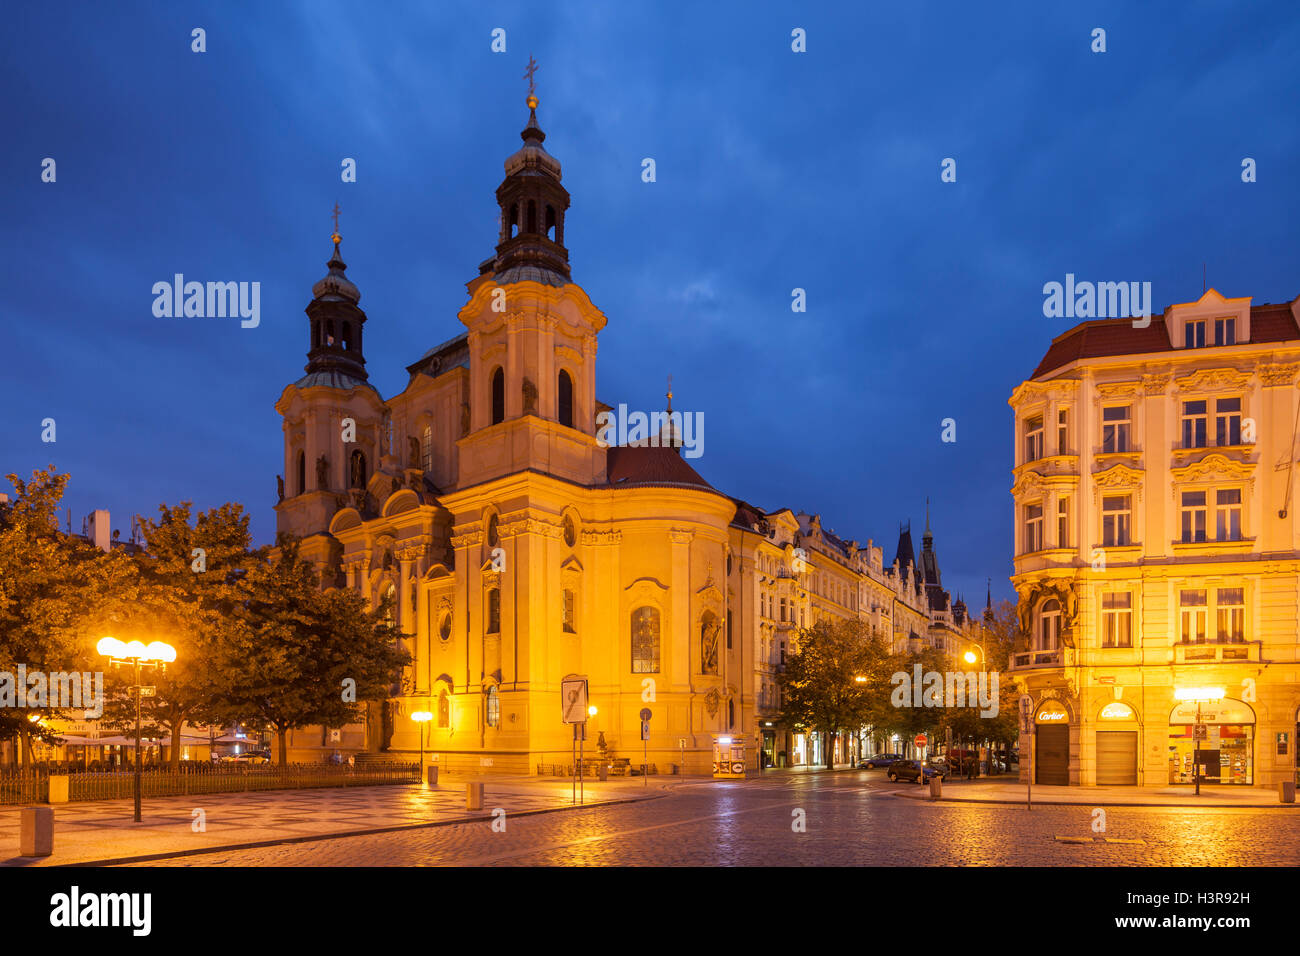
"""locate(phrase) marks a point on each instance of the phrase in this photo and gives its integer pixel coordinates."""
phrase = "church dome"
(336, 286)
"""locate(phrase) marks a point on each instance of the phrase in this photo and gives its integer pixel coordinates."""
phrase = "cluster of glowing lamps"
(136, 654)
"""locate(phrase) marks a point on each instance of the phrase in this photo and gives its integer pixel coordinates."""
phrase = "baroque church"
(517, 549)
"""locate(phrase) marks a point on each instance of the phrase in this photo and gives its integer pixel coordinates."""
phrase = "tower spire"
(336, 318)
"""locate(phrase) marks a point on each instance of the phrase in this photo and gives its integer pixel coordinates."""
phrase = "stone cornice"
(1214, 467)
(1274, 376)
(1037, 391)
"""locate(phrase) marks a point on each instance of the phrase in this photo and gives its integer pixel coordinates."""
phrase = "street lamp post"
(136, 653)
(422, 717)
(969, 657)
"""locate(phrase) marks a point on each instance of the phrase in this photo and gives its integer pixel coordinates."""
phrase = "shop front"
(1052, 744)
(1226, 742)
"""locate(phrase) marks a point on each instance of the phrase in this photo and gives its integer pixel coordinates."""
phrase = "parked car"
(878, 761)
(248, 758)
(911, 770)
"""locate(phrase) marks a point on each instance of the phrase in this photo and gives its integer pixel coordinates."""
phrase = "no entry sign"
(920, 740)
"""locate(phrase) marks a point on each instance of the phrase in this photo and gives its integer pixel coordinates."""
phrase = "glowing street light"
(422, 717)
(137, 654)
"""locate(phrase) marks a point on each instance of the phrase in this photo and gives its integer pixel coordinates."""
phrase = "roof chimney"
(99, 533)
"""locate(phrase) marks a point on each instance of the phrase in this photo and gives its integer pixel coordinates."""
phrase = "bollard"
(603, 771)
(433, 775)
(37, 836)
(473, 796)
(58, 788)
(936, 788)
(1286, 791)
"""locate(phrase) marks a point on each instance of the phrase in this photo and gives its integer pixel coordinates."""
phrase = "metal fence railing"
(23, 785)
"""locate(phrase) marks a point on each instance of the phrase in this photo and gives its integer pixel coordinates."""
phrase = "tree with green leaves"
(190, 571)
(57, 594)
(820, 686)
(299, 656)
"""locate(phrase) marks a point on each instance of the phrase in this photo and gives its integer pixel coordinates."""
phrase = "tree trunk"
(176, 746)
(284, 746)
(26, 738)
(830, 750)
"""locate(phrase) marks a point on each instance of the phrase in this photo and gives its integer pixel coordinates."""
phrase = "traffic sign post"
(646, 714)
(573, 710)
(1027, 733)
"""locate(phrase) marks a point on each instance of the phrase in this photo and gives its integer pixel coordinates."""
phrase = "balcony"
(1031, 659)
(1218, 653)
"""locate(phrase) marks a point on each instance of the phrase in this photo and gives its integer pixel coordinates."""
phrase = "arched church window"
(565, 392)
(494, 611)
(444, 709)
(532, 217)
(315, 335)
(357, 469)
(302, 473)
(493, 531)
(514, 220)
(498, 396)
(493, 708)
(329, 332)
(550, 221)
(390, 599)
(347, 336)
(645, 640)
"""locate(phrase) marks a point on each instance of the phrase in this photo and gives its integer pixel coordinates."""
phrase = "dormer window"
(1194, 335)
(1225, 331)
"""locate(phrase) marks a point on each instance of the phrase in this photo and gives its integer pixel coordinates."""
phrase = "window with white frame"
(1116, 520)
(1062, 431)
(1227, 514)
(1194, 335)
(1192, 613)
(1033, 528)
(1227, 421)
(1034, 438)
(1117, 619)
(1063, 522)
(1193, 513)
(1230, 614)
(426, 448)
(1049, 625)
(1225, 331)
(1194, 418)
(1115, 423)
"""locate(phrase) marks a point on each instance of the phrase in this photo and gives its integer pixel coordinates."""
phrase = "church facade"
(515, 548)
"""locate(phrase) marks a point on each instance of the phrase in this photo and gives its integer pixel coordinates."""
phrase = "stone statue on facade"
(413, 444)
(279, 486)
(530, 397)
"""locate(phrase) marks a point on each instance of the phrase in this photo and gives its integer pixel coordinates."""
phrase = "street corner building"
(519, 547)
(1156, 533)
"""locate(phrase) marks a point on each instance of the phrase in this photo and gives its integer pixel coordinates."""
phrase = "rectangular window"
(1034, 438)
(1116, 516)
(1062, 432)
(1225, 331)
(494, 611)
(1227, 421)
(1063, 522)
(1194, 335)
(1231, 607)
(426, 448)
(1194, 424)
(1227, 514)
(1033, 528)
(1193, 516)
(568, 613)
(1117, 620)
(1115, 423)
(1191, 606)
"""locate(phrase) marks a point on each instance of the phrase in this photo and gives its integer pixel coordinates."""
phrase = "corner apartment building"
(1157, 547)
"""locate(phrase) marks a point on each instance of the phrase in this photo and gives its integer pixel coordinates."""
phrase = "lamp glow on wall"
(137, 654)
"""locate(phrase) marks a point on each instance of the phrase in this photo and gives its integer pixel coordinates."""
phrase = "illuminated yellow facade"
(1158, 547)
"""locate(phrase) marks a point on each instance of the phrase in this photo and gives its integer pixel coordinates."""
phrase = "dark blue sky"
(775, 170)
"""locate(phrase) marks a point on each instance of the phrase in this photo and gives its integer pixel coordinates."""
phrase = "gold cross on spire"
(528, 74)
(336, 237)
(670, 393)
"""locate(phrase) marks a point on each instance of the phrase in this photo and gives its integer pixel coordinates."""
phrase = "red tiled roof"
(1105, 337)
(650, 465)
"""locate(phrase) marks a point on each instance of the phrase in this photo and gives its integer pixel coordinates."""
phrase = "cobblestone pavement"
(851, 820)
